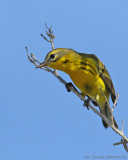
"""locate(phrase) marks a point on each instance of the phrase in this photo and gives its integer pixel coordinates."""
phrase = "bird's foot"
(69, 86)
(86, 102)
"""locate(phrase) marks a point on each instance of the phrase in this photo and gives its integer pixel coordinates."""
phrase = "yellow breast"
(84, 74)
(89, 85)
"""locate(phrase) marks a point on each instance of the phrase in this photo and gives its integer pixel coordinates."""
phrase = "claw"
(86, 103)
(69, 85)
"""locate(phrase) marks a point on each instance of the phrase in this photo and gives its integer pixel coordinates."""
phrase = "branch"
(33, 60)
(50, 35)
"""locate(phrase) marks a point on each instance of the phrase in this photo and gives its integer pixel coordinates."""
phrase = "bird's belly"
(84, 81)
(89, 84)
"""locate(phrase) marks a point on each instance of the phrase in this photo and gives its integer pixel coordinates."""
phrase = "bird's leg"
(69, 85)
(86, 102)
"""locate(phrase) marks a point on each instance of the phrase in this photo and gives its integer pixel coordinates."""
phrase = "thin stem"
(122, 125)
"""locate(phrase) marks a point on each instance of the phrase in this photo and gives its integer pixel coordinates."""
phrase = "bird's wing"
(104, 75)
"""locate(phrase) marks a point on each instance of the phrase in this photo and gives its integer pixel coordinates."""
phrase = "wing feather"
(103, 73)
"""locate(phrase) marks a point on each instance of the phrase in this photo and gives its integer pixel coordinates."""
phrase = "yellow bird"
(88, 73)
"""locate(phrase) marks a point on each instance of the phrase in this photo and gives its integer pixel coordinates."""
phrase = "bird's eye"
(52, 56)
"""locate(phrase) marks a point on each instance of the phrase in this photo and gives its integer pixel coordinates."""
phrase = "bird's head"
(57, 59)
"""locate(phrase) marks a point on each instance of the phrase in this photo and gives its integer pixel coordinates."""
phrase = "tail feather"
(115, 124)
(104, 124)
(107, 112)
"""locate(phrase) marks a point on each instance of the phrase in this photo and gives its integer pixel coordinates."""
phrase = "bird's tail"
(107, 112)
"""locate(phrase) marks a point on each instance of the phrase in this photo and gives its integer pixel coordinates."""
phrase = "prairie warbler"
(89, 75)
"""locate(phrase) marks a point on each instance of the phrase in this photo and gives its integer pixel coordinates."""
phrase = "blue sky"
(38, 118)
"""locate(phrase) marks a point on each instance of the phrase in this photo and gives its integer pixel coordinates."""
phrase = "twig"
(115, 103)
(50, 35)
(122, 125)
(45, 38)
(121, 142)
(124, 144)
(33, 60)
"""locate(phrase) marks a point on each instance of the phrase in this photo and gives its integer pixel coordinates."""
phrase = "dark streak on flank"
(86, 64)
(86, 70)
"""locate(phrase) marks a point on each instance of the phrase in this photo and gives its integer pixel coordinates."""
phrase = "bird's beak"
(42, 65)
